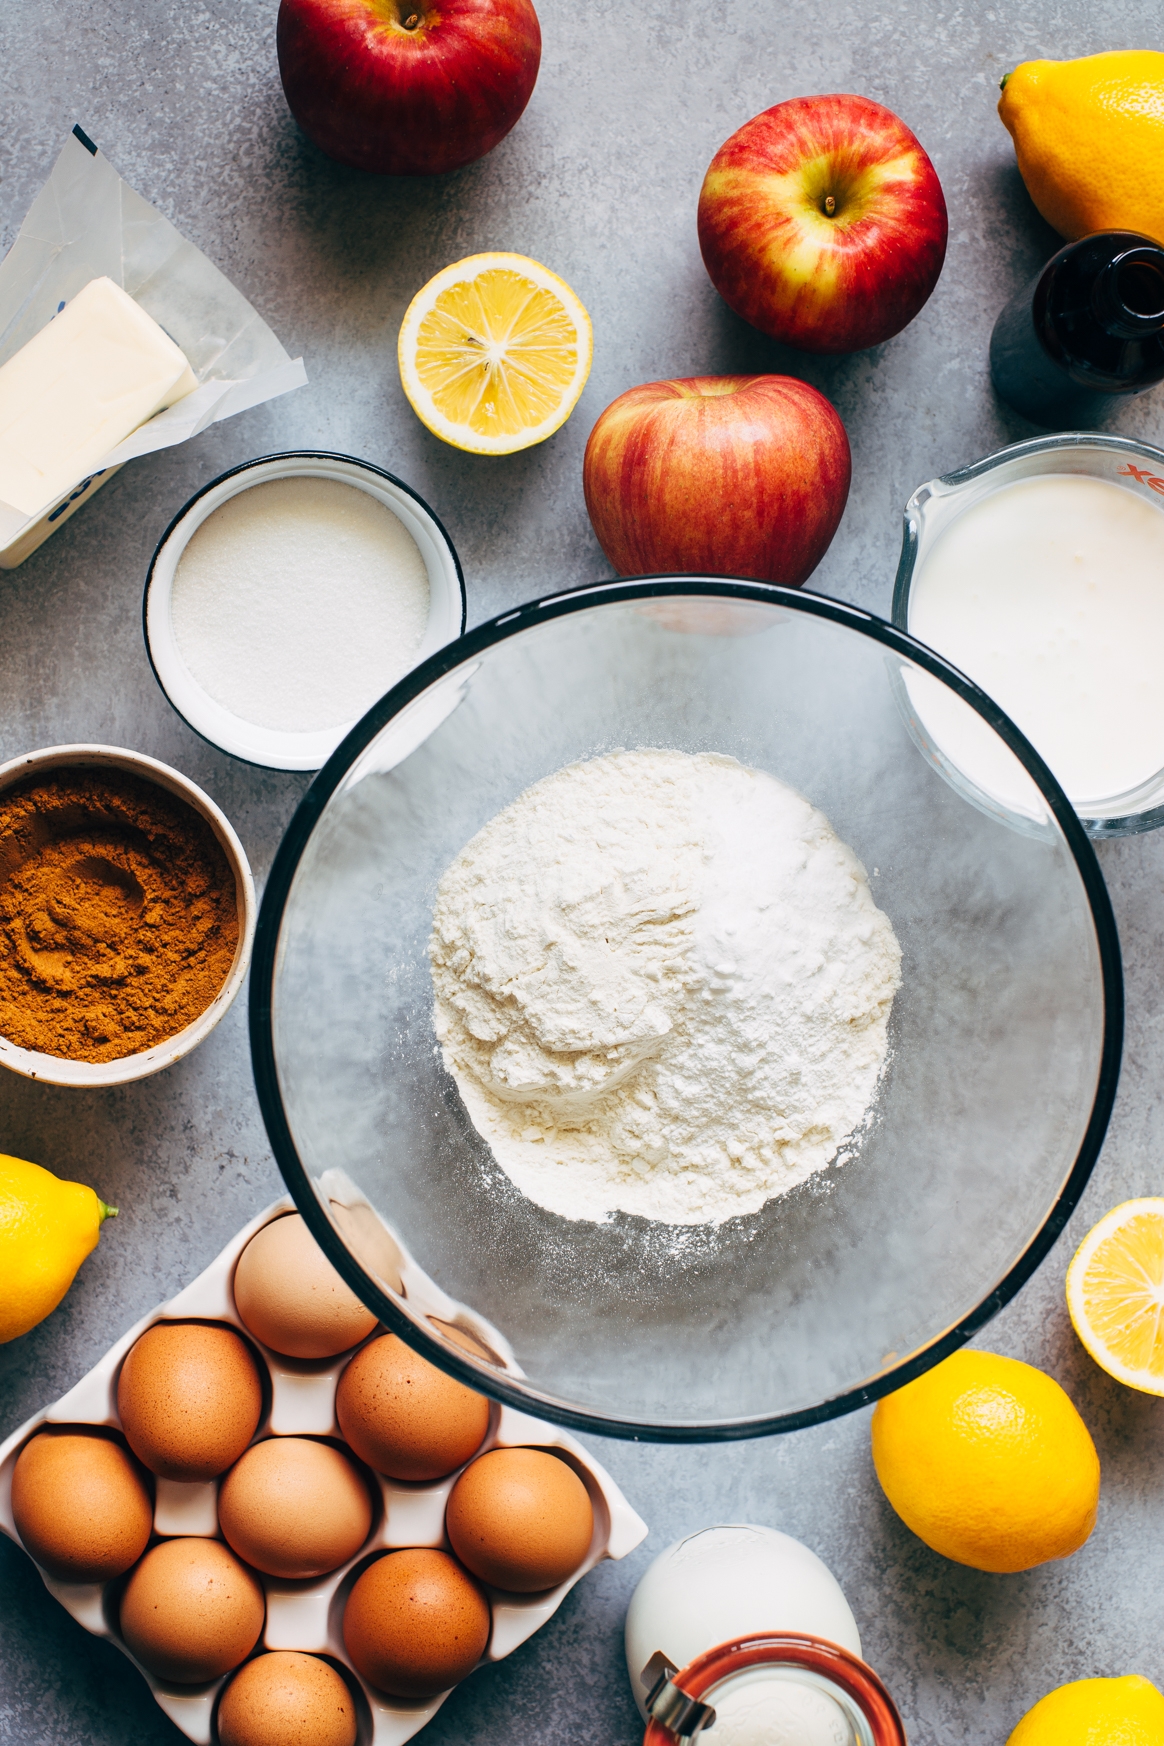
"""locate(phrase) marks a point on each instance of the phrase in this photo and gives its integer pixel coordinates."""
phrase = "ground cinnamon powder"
(118, 915)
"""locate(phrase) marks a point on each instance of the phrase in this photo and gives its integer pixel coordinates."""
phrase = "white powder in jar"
(662, 986)
(299, 602)
(768, 1707)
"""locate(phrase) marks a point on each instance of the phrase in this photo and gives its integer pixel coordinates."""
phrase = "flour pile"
(662, 986)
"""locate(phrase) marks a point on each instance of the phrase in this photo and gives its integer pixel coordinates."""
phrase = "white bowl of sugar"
(289, 595)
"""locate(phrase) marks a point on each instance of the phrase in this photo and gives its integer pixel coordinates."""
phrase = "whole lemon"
(1089, 138)
(47, 1227)
(1095, 1712)
(986, 1459)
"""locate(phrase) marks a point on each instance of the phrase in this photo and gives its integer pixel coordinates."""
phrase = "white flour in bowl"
(662, 986)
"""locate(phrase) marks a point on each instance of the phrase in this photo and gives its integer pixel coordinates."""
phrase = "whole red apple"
(822, 222)
(407, 87)
(718, 476)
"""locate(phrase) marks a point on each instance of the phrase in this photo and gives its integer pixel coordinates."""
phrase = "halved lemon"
(1115, 1293)
(494, 353)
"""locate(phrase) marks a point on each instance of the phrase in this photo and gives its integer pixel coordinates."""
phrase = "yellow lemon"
(986, 1459)
(47, 1227)
(494, 352)
(1089, 138)
(1095, 1712)
(1115, 1293)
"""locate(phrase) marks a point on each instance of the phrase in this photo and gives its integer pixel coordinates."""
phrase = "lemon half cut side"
(1115, 1293)
(494, 352)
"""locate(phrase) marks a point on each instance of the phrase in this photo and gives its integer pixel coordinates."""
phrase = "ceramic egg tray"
(299, 1400)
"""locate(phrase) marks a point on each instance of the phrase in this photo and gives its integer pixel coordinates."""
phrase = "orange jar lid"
(682, 1703)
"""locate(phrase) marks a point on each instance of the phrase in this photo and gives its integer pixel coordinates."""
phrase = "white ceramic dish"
(57, 1070)
(271, 747)
(308, 1615)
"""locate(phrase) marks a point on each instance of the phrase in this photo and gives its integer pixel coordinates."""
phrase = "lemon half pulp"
(494, 352)
(1115, 1293)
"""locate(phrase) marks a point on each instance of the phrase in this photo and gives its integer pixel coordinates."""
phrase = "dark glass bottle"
(1087, 330)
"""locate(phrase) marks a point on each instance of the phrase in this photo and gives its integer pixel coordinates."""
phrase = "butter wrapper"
(87, 222)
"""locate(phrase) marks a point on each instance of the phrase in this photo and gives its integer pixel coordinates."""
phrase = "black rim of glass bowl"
(480, 1375)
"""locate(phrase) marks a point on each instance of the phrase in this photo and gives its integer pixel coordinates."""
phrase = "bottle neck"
(1128, 295)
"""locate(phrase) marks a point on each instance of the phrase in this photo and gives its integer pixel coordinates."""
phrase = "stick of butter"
(78, 388)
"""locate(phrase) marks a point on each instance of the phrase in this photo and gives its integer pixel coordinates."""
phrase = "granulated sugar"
(299, 602)
(662, 986)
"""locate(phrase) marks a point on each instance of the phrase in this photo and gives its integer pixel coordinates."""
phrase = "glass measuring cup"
(957, 747)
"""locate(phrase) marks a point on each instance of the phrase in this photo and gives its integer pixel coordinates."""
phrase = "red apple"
(718, 476)
(822, 222)
(407, 87)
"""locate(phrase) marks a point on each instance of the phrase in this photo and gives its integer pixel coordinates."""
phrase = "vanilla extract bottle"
(1086, 331)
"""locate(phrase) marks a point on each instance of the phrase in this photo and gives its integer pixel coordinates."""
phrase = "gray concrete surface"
(599, 180)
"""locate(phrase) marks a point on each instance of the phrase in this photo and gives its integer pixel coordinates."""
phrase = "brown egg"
(287, 1699)
(81, 1503)
(520, 1519)
(415, 1623)
(291, 1297)
(294, 1507)
(406, 1418)
(191, 1611)
(189, 1398)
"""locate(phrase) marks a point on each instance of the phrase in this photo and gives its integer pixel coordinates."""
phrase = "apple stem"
(411, 22)
(830, 205)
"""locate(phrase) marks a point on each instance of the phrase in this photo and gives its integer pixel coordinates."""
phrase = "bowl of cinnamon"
(127, 915)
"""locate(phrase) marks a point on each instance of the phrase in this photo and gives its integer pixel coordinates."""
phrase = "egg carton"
(299, 1400)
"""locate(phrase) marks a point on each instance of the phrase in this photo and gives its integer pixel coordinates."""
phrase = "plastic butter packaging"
(117, 337)
(299, 1401)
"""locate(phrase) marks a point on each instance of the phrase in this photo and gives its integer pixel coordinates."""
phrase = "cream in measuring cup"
(1043, 580)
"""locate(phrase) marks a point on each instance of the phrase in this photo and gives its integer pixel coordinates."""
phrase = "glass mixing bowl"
(1004, 1037)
